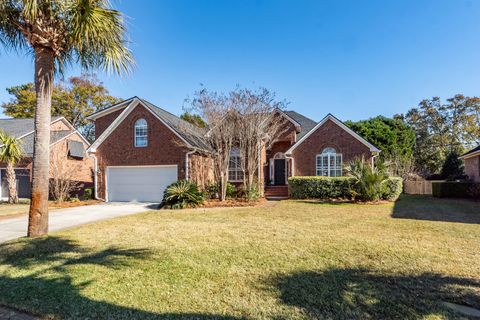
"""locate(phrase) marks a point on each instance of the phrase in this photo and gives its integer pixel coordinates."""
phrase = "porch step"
(276, 192)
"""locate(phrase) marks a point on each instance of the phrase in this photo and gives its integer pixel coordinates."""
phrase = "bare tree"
(62, 175)
(258, 125)
(219, 113)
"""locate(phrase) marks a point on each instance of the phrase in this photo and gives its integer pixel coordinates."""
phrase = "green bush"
(368, 181)
(320, 187)
(88, 194)
(392, 188)
(451, 189)
(182, 194)
(313, 187)
(212, 191)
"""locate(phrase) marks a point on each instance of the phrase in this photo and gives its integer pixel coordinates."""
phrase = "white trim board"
(341, 125)
(470, 155)
(132, 105)
(111, 109)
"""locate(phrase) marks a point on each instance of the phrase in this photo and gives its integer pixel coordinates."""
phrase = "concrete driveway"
(70, 217)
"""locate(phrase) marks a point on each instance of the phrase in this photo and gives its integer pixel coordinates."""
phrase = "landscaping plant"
(10, 153)
(368, 181)
(182, 194)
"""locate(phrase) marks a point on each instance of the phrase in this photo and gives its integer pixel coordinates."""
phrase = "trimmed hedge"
(393, 187)
(313, 187)
(452, 189)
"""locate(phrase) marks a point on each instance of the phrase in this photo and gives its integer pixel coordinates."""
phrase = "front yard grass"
(293, 260)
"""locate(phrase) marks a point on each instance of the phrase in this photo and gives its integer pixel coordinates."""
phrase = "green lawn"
(294, 260)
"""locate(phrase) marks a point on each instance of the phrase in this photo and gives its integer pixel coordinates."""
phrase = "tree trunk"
(12, 184)
(38, 215)
(223, 187)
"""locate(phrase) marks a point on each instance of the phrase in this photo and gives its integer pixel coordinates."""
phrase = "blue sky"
(355, 59)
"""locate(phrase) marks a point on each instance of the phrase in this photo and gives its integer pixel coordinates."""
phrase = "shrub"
(88, 194)
(392, 188)
(453, 168)
(450, 189)
(182, 194)
(212, 191)
(337, 188)
(320, 187)
(250, 195)
(369, 182)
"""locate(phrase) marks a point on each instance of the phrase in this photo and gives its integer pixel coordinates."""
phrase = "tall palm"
(59, 33)
(10, 152)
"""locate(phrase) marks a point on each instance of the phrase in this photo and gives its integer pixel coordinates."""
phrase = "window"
(141, 133)
(329, 163)
(235, 172)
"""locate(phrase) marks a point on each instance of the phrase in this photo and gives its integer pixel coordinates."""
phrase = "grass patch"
(294, 260)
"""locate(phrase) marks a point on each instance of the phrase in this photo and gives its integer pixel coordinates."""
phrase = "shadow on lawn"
(436, 209)
(52, 292)
(360, 294)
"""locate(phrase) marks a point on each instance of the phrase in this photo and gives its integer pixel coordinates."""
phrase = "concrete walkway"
(69, 217)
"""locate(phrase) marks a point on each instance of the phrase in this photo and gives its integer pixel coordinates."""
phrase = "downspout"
(186, 162)
(95, 172)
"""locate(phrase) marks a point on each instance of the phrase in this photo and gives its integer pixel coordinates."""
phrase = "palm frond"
(11, 149)
(97, 34)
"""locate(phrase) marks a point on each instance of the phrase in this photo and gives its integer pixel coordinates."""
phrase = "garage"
(139, 183)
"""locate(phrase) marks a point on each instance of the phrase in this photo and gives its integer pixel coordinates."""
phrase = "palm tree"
(11, 152)
(60, 33)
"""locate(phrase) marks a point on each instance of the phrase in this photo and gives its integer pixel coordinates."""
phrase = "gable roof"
(306, 124)
(24, 129)
(110, 109)
(187, 132)
(341, 125)
(471, 153)
(20, 127)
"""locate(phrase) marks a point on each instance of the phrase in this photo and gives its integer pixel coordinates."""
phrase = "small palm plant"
(11, 152)
(182, 194)
(369, 179)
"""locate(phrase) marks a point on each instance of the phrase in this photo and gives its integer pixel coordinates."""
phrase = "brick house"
(472, 163)
(140, 149)
(65, 142)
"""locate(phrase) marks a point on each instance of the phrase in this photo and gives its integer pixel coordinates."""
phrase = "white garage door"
(139, 183)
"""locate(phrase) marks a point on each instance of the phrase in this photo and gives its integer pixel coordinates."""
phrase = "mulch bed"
(71, 204)
(215, 203)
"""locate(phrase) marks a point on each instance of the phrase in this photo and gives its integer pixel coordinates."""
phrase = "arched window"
(141, 133)
(235, 172)
(329, 163)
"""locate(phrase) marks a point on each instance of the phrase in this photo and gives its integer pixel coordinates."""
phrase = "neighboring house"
(472, 164)
(140, 149)
(64, 141)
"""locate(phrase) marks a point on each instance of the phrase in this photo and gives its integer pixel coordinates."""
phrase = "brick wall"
(200, 170)
(328, 135)
(102, 123)
(164, 146)
(472, 168)
(83, 167)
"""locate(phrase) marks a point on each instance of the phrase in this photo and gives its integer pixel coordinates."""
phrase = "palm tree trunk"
(38, 215)
(12, 183)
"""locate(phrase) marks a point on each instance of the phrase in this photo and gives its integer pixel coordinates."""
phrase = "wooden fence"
(418, 187)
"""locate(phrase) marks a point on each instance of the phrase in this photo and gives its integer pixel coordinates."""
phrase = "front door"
(279, 172)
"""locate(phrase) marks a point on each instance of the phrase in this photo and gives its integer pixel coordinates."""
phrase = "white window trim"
(135, 136)
(329, 155)
(236, 170)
